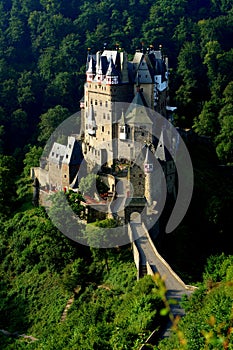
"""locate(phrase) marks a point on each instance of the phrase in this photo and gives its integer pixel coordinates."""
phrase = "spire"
(100, 69)
(88, 57)
(122, 121)
(91, 66)
(91, 70)
(112, 74)
(160, 150)
(148, 164)
(91, 122)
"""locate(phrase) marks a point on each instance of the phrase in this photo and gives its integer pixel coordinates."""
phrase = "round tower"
(148, 170)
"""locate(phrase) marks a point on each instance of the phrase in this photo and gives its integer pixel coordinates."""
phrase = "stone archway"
(134, 206)
(135, 217)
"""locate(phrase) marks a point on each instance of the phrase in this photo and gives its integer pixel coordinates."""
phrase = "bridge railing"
(164, 262)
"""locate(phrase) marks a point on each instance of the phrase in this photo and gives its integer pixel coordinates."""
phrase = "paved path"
(175, 288)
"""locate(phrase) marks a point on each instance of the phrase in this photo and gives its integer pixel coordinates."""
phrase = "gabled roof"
(57, 153)
(111, 54)
(138, 113)
(69, 150)
(66, 154)
(112, 69)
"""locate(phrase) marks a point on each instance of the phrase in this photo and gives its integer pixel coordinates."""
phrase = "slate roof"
(138, 112)
(57, 153)
(112, 69)
(67, 154)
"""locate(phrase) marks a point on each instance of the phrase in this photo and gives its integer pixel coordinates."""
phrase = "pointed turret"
(148, 164)
(160, 152)
(91, 70)
(100, 70)
(112, 76)
(91, 122)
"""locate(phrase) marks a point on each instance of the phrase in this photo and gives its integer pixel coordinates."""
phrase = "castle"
(121, 134)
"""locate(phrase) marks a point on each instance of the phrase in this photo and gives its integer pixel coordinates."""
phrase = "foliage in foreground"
(41, 269)
(208, 323)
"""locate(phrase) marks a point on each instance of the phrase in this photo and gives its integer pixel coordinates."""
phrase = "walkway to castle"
(174, 285)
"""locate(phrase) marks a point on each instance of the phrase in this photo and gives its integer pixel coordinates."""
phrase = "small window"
(67, 156)
(65, 176)
(52, 154)
(106, 103)
(102, 128)
(96, 102)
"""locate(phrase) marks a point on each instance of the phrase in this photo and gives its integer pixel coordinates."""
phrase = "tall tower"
(112, 80)
(149, 170)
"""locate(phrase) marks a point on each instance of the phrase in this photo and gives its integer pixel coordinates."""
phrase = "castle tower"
(111, 78)
(91, 70)
(149, 171)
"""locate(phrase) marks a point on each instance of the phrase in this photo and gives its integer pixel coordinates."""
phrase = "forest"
(43, 51)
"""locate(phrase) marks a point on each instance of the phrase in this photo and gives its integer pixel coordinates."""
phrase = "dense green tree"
(50, 120)
(192, 89)
(207, 122)
(7, 183)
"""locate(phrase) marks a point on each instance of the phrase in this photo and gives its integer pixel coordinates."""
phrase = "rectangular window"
(102, 128)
